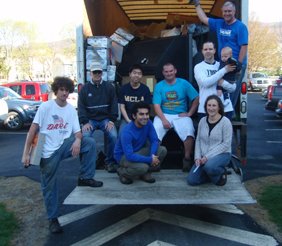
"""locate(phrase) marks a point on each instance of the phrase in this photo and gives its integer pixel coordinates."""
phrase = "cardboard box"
(99, 54)
(119, 39)
(122, 32)
(117, 52)
(111, 72)
(154, 30)
(36, 149)
(99, 41)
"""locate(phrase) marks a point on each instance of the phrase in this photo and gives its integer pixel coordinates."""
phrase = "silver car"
(258, 81)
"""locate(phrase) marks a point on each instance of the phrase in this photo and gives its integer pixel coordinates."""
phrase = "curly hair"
(64, 82)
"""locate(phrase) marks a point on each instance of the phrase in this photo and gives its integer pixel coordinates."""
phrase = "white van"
(258, 81)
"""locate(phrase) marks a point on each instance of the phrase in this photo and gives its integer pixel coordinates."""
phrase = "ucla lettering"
(133, 99)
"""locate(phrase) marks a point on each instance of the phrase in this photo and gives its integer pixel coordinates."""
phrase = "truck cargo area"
(170, 188)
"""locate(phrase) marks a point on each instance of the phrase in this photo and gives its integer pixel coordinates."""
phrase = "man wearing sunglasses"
(98, 110)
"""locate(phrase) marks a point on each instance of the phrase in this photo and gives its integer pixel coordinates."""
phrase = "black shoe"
(125, 180)
(187, 165)
(89, 182)
(147, 178)
(223, 179)
(111, 168)
(54, 226)
(155, 168)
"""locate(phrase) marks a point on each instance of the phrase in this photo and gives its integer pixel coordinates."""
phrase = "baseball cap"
(96, 66)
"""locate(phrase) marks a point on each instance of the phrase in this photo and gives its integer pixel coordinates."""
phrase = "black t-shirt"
(212, 125)
(129, 96)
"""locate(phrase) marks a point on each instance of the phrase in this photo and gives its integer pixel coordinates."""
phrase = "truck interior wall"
(153, 53)
(105, 17)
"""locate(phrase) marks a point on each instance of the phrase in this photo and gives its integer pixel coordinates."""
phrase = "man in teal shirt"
(171, 98)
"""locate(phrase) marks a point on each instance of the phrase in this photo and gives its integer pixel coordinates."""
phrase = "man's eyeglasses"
(97, 72)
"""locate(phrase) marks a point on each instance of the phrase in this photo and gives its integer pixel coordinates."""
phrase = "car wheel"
(14, 121)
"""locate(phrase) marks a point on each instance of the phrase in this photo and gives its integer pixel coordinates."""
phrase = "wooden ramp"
(170, 188)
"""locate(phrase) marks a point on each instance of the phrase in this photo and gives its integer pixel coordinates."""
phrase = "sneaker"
(54, 226)
(147, 178)
(89, 182)
(187, 165)
(111, 168)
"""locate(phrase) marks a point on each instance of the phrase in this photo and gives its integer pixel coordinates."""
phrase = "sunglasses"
(97, 72)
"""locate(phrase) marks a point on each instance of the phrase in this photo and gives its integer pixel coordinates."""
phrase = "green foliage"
(271, 200)
(8, 225)
(20, 50)
(263, 48)
(15, 36)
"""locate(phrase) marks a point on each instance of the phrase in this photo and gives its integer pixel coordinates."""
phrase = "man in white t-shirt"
(208, 77)
(58, 121)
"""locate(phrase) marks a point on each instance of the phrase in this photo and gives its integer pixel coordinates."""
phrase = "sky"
(49, 15)
(52, 15)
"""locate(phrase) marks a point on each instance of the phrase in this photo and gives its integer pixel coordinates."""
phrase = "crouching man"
(58, 121)
(137, 150)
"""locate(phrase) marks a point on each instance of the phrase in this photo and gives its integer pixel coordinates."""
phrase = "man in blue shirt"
(171, 98)
(232, 33)
(137, 150)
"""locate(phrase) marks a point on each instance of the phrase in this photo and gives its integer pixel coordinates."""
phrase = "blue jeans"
(235, 95)
(111, 138)
(211, 171)
(49, 167)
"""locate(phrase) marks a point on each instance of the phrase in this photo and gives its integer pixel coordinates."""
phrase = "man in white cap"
(98, 110)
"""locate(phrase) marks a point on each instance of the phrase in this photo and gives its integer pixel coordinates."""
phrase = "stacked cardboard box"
(99, 49)
(108, 51)
(120, 39)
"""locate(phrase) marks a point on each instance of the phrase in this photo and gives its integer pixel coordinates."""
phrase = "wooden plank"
(170, 188)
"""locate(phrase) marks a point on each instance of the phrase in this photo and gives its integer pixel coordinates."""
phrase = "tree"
(15, 39)
(68, 34)
(263, 49)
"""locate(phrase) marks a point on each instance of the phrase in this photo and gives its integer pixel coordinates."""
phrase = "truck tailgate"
(170, 188)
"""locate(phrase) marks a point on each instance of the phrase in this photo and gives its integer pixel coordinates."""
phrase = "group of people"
(136, 150)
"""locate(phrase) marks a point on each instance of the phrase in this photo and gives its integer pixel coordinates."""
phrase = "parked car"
(3, 111)
(258, 81)
(274, 95)
(21, 111)
(279, 109)
(279, 80)
(33, 90)
(264, 92)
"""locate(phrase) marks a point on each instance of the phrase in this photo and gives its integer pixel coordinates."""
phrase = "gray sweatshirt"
(216, 142)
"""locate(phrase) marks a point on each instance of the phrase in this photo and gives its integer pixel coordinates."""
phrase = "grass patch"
(8, 225)
(271, 200)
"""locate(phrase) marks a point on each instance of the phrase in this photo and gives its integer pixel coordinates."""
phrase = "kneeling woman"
(213, 145)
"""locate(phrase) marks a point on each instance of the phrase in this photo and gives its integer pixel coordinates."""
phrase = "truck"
(135, 32)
